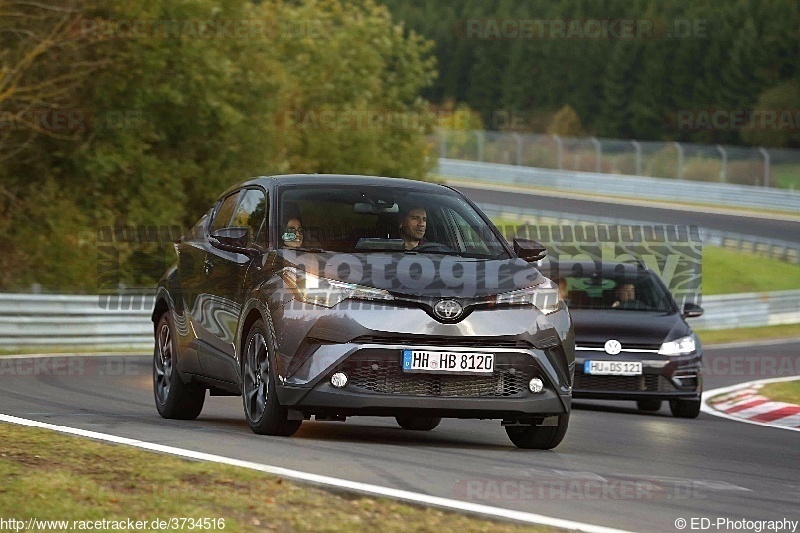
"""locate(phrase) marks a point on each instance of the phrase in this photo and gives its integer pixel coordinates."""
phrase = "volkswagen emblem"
(447, 309)
(613, 347)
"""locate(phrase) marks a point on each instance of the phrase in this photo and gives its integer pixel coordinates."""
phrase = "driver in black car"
(625, 294)
(412, 227)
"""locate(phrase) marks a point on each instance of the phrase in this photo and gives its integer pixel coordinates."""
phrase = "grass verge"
(784, 391)
(730, 272)
(723, 336)
(50, 476)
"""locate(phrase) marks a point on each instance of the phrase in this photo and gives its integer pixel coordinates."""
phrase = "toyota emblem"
(447, 309)
(613, 347)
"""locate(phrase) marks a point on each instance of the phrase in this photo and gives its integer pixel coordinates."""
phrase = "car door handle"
(208, 265)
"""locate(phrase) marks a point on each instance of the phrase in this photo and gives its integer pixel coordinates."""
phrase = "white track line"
(733, 388)
(444, 503)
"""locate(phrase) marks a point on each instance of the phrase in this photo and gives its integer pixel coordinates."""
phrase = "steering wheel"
(634, 305)
(432, 247)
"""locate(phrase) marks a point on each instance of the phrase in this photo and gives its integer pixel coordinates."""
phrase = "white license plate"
(613, 368)
(447, 362)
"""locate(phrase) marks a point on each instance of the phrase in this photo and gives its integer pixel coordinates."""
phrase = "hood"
(418, 274)
(633, 329)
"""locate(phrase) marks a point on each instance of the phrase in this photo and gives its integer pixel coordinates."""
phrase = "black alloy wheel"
(174, 398)
(685, 408)
(264, 413)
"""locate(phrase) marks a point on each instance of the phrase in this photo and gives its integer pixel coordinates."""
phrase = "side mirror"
(529, 250)
(232, 240)
(691, 310)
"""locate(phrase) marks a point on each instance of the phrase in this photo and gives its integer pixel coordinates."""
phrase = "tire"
(539, 437)
(685, 408)
(648, 405)
(418, 423)
(174, 398)
(264, 413)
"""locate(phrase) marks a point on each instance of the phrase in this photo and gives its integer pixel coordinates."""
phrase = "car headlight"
(683, 346)
(326, 292)
(544, 297)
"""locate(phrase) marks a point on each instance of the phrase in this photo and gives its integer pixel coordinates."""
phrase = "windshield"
(641, 292)
(380, 219)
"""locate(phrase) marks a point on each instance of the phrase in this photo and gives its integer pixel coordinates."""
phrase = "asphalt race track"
(616, 467)
(785, 230)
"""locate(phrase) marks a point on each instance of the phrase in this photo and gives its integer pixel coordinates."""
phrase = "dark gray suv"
(334, 296)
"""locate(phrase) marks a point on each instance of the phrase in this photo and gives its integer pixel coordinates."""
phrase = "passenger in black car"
(293, 233)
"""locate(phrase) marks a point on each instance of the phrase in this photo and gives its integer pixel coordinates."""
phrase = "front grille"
(382, 375)
(455, 342)
(625, 345)
(643, 383)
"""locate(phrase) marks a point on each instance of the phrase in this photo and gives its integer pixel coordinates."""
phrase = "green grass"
(51, 476)
(729, 272)
(723, 336)
(784, 391)
(786, 176)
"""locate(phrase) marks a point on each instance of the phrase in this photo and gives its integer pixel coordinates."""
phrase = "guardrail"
(47, 322)
(772, 248)
(624, 186)
(33, 321)
(751, 309)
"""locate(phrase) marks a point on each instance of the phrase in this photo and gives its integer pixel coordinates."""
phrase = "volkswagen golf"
(632, 339)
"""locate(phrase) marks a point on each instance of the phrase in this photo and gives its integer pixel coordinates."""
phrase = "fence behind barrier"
(623, 186)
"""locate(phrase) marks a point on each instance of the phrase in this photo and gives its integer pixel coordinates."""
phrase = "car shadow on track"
(588, 405)
(442, 437)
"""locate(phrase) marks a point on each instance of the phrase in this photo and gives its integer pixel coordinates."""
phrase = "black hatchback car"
(333, 296)
(632, 340)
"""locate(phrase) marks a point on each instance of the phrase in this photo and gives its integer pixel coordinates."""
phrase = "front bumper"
(377, 386)
(663, 377)
(367, 345)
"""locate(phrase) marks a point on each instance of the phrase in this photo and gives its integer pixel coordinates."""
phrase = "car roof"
(339, 179)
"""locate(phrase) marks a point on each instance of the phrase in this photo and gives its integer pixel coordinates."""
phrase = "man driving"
(412, 228)
(625, 294)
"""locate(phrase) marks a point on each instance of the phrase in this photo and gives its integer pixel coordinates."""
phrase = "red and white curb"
(745, 404)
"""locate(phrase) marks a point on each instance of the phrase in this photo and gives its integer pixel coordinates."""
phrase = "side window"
(251, 214)
(224, 213)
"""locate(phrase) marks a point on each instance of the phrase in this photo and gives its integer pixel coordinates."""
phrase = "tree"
(775, 117)
(566, 123)
(184, 106)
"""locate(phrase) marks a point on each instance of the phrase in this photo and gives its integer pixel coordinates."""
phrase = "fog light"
(536, 385)
(339, 380)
